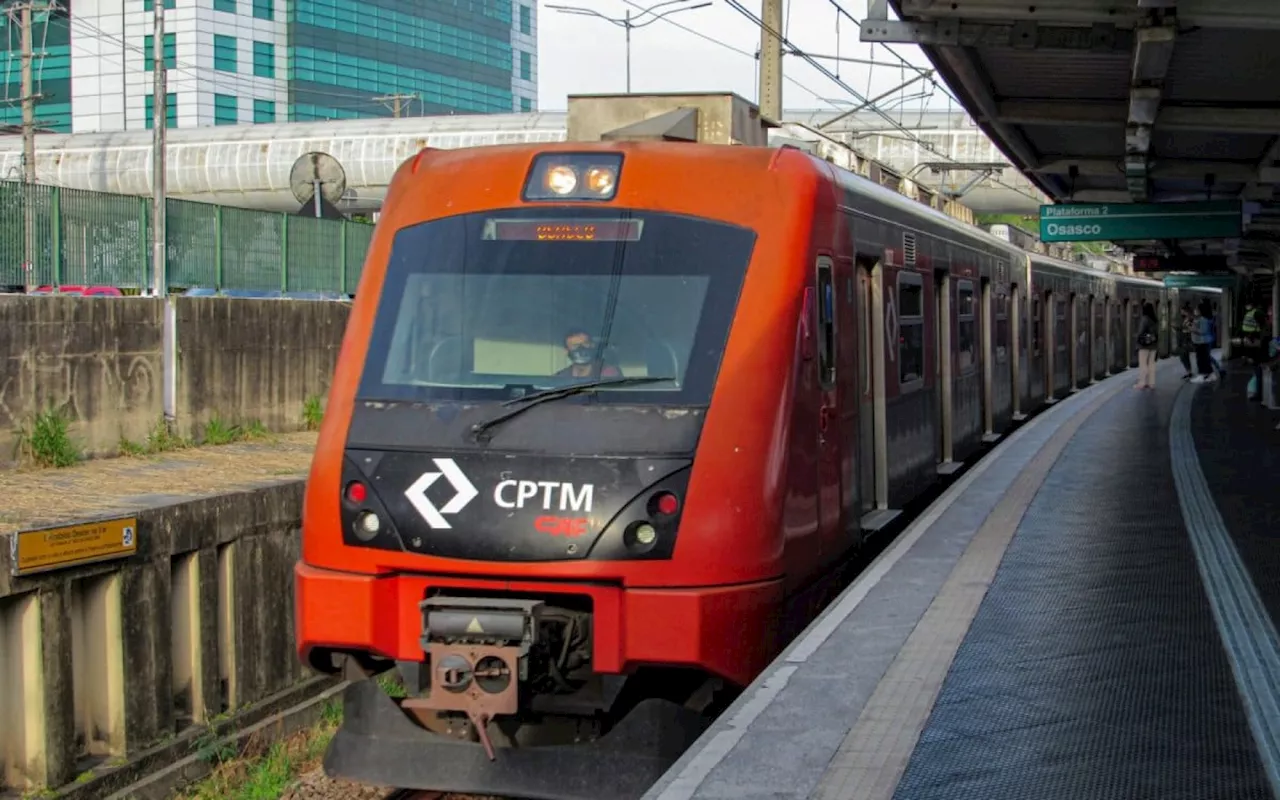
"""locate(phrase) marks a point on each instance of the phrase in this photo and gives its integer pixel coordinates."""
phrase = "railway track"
(415, 794)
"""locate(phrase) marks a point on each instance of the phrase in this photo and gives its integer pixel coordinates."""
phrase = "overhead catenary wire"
(907, 133)
(744, 53)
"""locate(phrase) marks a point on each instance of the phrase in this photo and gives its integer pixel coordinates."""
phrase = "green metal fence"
(75, 237)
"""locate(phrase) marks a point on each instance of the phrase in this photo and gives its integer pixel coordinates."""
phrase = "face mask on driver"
(582, 353)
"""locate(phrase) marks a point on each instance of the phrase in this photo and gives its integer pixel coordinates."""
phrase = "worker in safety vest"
(1251, 327)
(1253, 348)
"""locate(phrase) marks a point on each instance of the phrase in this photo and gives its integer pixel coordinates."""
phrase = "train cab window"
(1001, 303)
(1037, 327)
(910, 329)
(966, 327)
(826, 323)
(491, 305)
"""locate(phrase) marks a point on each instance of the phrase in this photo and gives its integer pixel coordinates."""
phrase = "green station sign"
(1119, 222)
(1209, 281)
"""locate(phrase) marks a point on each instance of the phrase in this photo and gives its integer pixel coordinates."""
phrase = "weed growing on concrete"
(392, 684)
(218, 432)
(313, 412)
(46, 441)
(159, 440)
(261, 774)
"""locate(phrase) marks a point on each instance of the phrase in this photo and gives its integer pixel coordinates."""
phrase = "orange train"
(605, 414)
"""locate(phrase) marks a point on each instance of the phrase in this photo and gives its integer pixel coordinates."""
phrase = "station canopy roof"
(1121, 101)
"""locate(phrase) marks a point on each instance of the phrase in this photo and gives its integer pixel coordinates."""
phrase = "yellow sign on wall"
(72, 545)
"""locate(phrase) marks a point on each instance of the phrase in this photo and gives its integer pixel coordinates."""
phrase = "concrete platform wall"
(98, 359)
(100, 662)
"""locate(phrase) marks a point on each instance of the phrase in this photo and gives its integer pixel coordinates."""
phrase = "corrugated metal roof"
(1056, 74)
(1058, 140)
(1224, 66)
(1217, 133)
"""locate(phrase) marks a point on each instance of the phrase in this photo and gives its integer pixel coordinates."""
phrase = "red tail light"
(665, 504)
(356, 492)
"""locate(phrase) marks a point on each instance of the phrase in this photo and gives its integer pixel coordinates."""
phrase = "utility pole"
(28, 144)
(771, 60)
(628, 22)
(394, 101)
(159, 248)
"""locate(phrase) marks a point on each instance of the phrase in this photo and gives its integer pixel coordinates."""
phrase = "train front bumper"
(729, 631)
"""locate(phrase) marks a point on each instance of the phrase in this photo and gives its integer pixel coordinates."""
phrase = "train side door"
(986, 358)
(873, 347)
(943, 373)
(830, 494)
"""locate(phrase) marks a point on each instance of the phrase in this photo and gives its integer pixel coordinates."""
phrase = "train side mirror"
(806, 326)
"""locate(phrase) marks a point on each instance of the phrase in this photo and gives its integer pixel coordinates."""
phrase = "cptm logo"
(464, 492)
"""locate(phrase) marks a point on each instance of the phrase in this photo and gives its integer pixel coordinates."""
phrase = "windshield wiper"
(527, 402)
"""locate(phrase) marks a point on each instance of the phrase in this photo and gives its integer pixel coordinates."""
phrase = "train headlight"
(640, 537)
(646, 534)
(601, 180)
(561, 180)
(367, 526)
(573, 176)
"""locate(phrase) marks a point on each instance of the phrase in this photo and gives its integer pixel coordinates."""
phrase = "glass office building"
(50, 70)
(235, 62)
(435, 56)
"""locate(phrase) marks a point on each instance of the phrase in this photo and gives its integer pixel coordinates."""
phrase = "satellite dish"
(322, 167)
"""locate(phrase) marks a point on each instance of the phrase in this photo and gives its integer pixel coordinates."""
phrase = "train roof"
(868, 188)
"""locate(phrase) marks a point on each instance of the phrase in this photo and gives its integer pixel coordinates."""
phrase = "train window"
(465, 315)
(910, 328)
(966, 328)
(1037, 328)
(1082, 323)
(1002, 328)
(826, 323)
(1062, 332)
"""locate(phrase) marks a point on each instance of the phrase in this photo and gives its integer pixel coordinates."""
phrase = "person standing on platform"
(1253, 348)
(1148, 326)
(1203, 339)
(1186, 330)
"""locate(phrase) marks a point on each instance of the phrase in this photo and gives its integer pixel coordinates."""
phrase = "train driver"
(584, 360)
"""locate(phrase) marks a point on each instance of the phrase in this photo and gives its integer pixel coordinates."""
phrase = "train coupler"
(478, 650)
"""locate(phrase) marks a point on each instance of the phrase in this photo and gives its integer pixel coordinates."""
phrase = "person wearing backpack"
(1148, 338)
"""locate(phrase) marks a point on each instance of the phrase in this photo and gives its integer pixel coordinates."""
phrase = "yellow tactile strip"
(36, 498)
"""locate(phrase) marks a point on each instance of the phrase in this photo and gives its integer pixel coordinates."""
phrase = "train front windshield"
(492, 305)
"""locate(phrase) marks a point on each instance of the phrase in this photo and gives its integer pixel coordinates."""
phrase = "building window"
(526, 104)
(225, 110)
(264, 111)
(170, 52)
(149, 5)
(224, 53)
(910, 328)
(228, 6)
(526, 20)
(170, 110)
(264, 9)
(526, 66)
(264, 59)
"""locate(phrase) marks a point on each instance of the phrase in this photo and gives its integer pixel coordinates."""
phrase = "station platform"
(111, 486)
(1088, 613)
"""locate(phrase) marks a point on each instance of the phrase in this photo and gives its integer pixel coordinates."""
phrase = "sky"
(579, 54)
